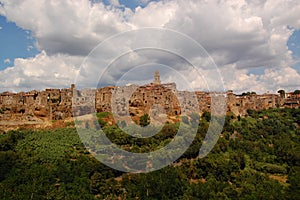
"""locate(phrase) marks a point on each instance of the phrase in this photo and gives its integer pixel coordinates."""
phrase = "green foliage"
(167, 183)
(72, 123)
(101, 116)
(9, 140)
(138, 145)
(194, 119)
(248, 93)
(270, 168)
(122, 124)
(294, 181)
(185, 119)
(206, 115)
(144, 120)
(7, 161)
(56, 100)
(297, 92)
(252, 150)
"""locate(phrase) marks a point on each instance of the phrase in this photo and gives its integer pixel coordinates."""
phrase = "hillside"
(256, 157)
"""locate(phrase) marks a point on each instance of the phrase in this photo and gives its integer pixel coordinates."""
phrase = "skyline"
(255, 44)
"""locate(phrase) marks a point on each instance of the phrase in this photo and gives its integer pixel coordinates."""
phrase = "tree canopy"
(256, 157)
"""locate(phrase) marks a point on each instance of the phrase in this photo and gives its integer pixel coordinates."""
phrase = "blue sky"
(132, 4)
(15, 43)
(294, 46)
(249, 47)
(294, 43)
(19, 43)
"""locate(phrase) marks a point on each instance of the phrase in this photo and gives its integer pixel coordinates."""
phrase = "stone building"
(51, 104)
(156, 98)
(156, 78)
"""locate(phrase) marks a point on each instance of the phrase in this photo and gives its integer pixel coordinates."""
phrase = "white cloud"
(143, 2)
(234, 32)
(29, 48)
(1, 28)
(7, 61)
(40, 72)
(239, 35)
(70, 27)
(156, 14)
(114, 2)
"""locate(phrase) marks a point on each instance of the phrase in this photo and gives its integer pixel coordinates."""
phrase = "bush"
(185, 119)
(270, 168)
(206, 115)
(144, 120)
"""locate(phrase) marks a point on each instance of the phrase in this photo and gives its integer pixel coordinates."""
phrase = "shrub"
(144, 120)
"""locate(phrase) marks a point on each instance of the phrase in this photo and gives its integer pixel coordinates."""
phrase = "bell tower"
(156, 80)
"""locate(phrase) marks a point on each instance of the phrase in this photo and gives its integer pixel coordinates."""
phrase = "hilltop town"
(59, 104)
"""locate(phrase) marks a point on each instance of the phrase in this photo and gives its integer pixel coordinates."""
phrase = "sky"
(254, 43)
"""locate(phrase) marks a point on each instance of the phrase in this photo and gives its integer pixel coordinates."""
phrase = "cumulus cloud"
(70, 27)
(234, 32)
(114, 2)
(7, 61)
(239, 35)
(142, 2)
(39, 72)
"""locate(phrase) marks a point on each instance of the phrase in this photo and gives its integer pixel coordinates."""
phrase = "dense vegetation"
(256, 157)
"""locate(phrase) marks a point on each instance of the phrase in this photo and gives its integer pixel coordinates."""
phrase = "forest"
(256, 157)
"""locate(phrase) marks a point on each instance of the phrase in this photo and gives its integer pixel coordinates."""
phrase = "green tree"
(122, 124)
(185, 119)
(206, 115)
(282, 93)
(7, 161)
(297, 92)
(144, 120)
(294, 180)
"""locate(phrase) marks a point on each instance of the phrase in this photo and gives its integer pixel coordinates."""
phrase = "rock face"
(158, 100)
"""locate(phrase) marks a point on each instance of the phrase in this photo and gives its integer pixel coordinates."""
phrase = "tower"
(156, 78)
(72, 87)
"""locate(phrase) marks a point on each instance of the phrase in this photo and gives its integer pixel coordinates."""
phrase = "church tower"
(156, 78)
